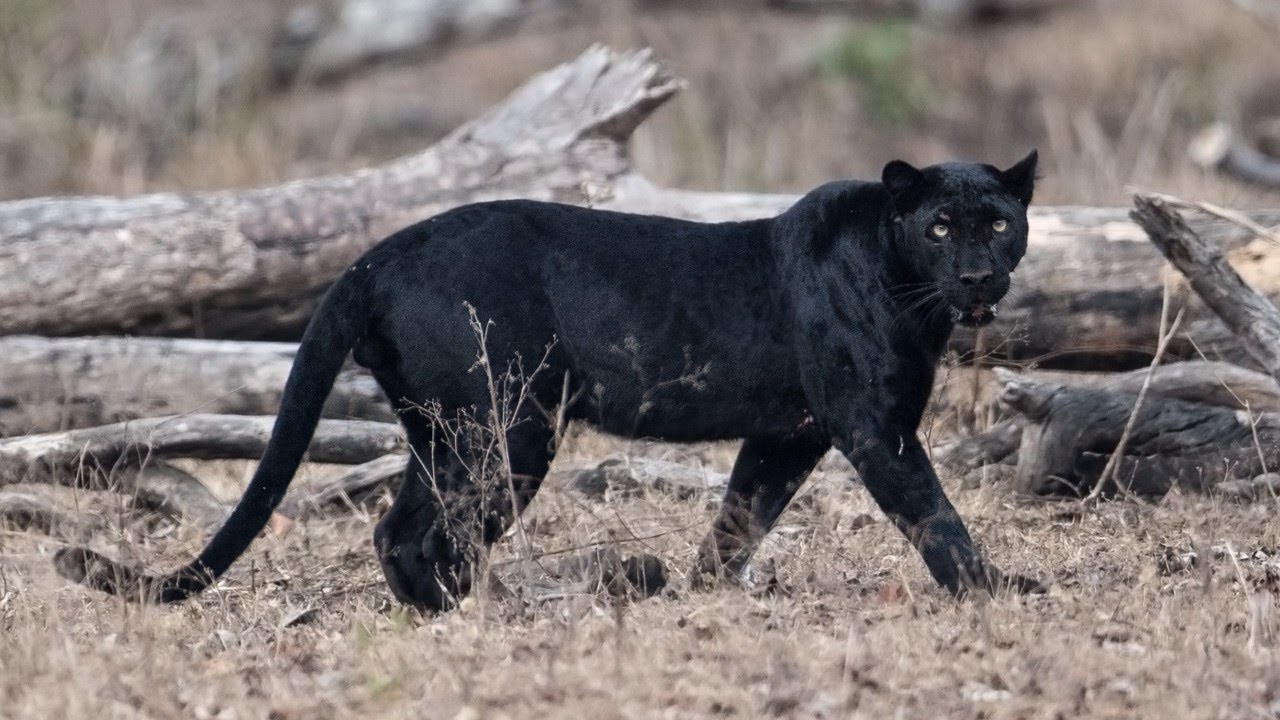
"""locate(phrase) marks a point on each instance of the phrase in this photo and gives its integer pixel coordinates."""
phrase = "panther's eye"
(940, 231)
(1000, 225)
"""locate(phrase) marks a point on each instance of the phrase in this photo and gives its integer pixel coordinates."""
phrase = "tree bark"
(1249, 314)
(251, 264)
(164, 488)
(347, 490)
(1211, 384)
(29, 511)
(363, 33)
(1071, 432)
(51, 384)
(95, 458)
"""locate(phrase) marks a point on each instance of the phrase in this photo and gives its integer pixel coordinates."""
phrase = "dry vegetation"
(1155, 611)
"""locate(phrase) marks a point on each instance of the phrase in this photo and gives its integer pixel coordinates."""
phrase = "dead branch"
(51, 384)
(1250, 315)
(1211, 383)
(164, 488)
(94, 457)
(1071, 432)
(30, 511)
(351, 488)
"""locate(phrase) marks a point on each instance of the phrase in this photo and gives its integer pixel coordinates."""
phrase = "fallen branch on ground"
(51, 384)
(94, 457)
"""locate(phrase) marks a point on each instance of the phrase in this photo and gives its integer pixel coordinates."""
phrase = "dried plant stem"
(1167, 331)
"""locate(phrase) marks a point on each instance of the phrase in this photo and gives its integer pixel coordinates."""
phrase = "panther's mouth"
(975, 316)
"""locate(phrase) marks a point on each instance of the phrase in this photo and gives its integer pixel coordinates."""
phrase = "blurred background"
(128, 96)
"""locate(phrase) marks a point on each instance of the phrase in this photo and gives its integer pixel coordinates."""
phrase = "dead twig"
(1166, 334)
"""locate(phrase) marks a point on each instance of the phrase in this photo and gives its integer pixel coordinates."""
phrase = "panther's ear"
(1021, 178)
(905, 184)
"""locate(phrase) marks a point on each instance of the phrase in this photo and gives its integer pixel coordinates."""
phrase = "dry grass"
(1110, 92)
(1130, 628)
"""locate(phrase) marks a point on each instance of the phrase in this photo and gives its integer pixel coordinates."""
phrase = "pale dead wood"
(29, 511)
(167, 489)
(1250, 315)
(51, 384)
(252, 263)
(94, 457)
(347, 490)
(1167, 331)
(313, 44)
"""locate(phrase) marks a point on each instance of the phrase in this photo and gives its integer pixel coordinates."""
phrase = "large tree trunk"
(49, 384)
(251, 264)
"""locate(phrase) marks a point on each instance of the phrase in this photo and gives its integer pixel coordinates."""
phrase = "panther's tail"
(334, 330)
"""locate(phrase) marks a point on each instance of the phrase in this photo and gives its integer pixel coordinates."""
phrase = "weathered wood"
(1070, 433)
(351, 488)
(167, 489)
(95, 457)
(314, 45)
(999, 443)
(1213, 383)
(251, 264)
(1250, 315)
(51, 384)
(29, 511)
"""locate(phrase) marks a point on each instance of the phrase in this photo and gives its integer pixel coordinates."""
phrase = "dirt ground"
(1154, 611)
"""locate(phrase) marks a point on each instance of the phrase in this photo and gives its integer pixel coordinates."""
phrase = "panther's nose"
(975, 279)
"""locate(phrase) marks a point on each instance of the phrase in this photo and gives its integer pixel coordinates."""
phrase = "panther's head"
(962, 228)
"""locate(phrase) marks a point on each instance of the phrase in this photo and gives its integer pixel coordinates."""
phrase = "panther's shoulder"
(831, 211)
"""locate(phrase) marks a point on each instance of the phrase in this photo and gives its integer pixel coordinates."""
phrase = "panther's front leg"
(899, 476)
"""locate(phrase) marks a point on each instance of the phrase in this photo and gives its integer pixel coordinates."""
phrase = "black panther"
(819, 328)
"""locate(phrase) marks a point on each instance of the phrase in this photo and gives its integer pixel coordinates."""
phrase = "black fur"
(819, 327)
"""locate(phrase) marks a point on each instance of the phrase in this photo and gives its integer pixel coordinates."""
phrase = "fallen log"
(1071, 432)
(29, 511)
(350, 489)
(1215, 384)
(164, 488)
(251, 264)
(314, 45)
(50, 384)
(94, 458)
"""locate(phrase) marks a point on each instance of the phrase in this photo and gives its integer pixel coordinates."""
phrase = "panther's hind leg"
(766, 475)
(455, 501)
